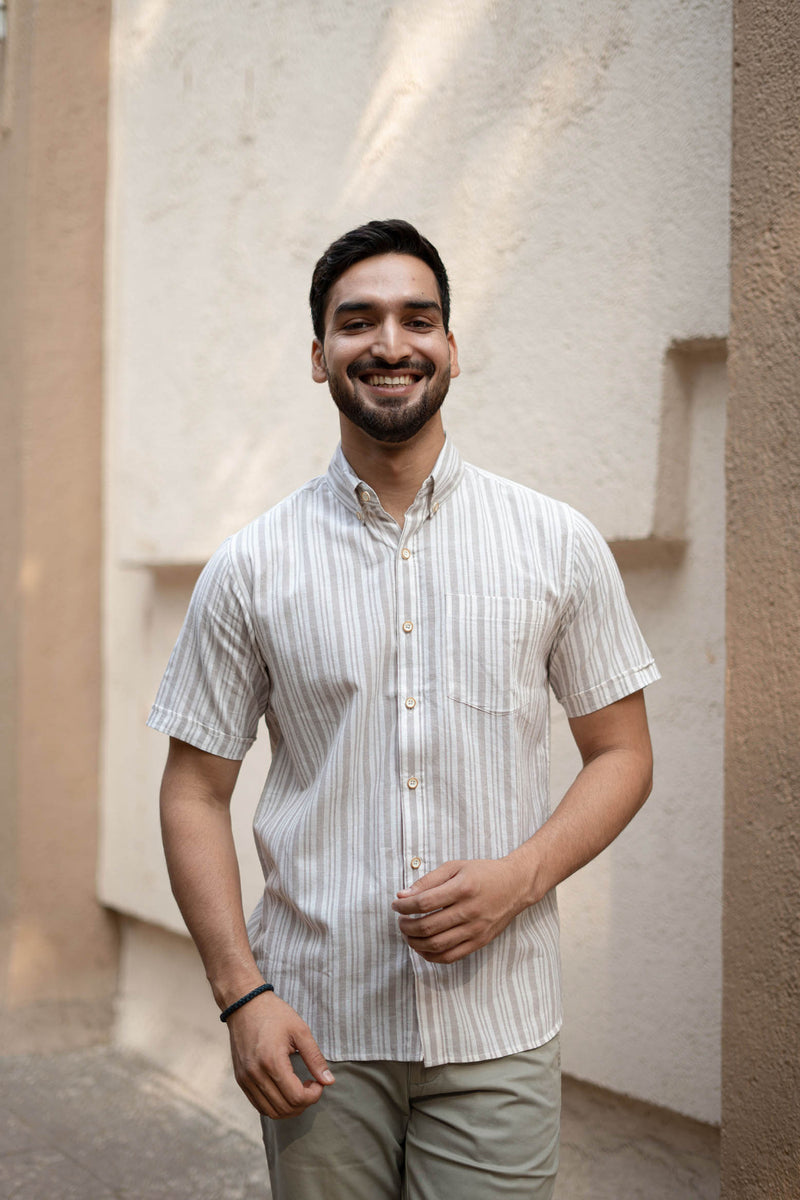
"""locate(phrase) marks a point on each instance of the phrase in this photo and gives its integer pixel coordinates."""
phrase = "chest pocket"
(495, 655)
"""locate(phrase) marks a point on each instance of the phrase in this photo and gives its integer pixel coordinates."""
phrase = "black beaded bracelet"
(265, 987)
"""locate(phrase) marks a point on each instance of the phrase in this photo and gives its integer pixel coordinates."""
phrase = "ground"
(99, 1125)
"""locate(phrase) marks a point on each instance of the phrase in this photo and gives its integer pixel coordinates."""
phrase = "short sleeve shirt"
(403, 675)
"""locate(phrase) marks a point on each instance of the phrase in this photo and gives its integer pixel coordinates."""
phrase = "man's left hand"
(459, 907)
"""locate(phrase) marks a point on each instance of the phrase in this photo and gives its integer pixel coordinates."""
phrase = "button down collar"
(443, 480)
(447, 474)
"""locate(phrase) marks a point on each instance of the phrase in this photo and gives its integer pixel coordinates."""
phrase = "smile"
(389, 380)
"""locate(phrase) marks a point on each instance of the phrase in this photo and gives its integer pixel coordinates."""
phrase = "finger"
(288, 1099)
(437, 943)
(432, 879)
(452, 954)
(441, 896)
(280, 1110)
(264, 1095)
(433, 923)
(280, 1087)
(314, 1059)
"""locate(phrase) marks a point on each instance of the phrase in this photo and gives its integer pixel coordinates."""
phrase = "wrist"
(526, 866)
(262, 990)
(229, 988)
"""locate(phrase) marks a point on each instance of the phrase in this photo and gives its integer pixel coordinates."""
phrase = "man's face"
(385, 356)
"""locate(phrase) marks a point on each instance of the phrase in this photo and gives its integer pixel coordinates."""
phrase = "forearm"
(204, 873)
(607, 793)
(461, 906)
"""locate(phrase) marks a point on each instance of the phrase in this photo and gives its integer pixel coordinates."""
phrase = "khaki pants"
(402, 1131)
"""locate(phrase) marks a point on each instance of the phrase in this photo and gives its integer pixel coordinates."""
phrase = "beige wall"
(761, 1027)
(57, 946)
(569, 160)
(641, 924)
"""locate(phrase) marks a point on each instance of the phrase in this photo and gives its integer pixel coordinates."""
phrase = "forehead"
(383, 281)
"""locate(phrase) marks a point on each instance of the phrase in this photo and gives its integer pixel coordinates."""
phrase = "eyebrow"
(354, 306)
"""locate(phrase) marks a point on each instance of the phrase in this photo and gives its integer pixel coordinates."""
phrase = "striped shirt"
(403, 675)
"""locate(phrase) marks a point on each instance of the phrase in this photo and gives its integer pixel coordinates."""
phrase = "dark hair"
(378, 237)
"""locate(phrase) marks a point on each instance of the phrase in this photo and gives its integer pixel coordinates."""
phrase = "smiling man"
(394, 1003)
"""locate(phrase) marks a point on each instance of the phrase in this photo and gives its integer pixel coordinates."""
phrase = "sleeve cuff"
(580, 704)
(213, 741)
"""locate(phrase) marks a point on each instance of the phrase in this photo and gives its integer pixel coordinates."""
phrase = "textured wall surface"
(57, 946)
(571, 162)
(641, 924)
(761, 1029)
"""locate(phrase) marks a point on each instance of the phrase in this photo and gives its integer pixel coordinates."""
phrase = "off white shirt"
(403, 676)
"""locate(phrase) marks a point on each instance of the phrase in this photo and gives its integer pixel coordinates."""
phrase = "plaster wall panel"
(641, 935)
(149, 607)
(165, 1011)
(571, 161)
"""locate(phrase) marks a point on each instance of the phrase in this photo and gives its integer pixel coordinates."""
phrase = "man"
(397, 622)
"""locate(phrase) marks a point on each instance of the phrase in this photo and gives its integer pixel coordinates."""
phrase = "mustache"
(412, 366)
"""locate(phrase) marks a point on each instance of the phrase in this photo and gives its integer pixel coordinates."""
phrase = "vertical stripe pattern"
(403, 676)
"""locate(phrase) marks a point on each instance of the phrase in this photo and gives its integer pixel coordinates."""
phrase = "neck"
(396, 471)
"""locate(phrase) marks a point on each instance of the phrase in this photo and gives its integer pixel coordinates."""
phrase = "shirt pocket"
(494, 646)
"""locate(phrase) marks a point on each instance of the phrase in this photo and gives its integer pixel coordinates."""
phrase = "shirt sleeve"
(216, 686)
(599, 655)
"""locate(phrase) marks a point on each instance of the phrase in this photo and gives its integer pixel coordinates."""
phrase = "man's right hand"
(264, 1033)
(196, 822)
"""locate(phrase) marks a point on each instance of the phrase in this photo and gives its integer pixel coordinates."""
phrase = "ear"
(455, 369)
(319, 371)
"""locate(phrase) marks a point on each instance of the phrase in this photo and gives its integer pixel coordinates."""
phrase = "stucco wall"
(641, 924)
(761, 1030)
(57, 946)
(571, 162)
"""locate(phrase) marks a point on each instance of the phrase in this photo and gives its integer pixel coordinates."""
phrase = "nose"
(391, 342)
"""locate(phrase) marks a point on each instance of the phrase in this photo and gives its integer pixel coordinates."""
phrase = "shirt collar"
(355, 494)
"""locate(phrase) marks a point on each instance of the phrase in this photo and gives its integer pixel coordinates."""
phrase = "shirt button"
(360, 516)
(408, 626)
(405, 552)
(411, 702)
(416, 863)
(413, 783)
(435, 508)
(365, 496)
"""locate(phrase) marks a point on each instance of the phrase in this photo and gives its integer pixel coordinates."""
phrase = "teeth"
(389, 380)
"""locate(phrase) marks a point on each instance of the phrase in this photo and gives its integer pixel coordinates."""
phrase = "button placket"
(411, 791)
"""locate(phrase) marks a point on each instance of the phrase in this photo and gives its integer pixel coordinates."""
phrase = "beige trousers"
(403, 1131)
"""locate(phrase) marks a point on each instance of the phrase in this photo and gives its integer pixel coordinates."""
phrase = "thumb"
(313, 1057)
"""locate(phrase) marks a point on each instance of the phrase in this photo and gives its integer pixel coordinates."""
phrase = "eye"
(419, 323)
(356, 325)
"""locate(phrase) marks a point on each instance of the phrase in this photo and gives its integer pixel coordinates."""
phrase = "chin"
(390, 426)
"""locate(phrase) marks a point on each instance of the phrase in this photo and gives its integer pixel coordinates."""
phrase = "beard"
(388, 419)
